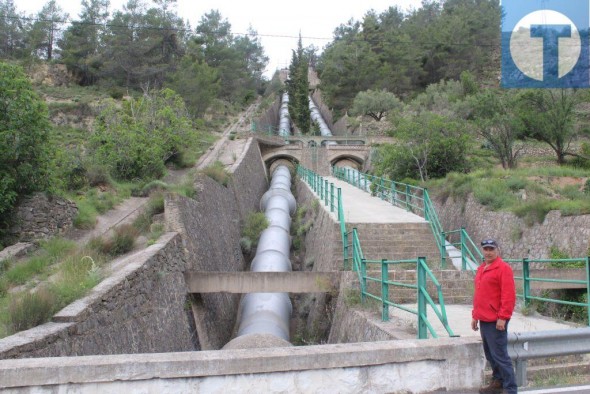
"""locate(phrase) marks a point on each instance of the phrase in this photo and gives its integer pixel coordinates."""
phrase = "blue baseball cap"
(490, 243)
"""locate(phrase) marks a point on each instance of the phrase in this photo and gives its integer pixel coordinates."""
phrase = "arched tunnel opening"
(347, 161)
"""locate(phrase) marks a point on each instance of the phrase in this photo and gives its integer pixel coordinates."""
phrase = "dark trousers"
(495, 347)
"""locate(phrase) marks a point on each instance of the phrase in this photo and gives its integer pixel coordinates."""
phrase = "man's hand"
(474, 326)
(500, 325)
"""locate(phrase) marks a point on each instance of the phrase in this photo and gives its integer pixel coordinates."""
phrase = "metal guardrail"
(527, 345)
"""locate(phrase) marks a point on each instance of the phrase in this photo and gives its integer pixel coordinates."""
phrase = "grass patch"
(494, 193)
(77, 275)
(121, 242)
(87, 214)
(217, 172)
(27, 310)
(534, 211)
(21, 273)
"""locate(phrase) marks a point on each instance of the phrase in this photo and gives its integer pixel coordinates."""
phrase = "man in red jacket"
(493, 304)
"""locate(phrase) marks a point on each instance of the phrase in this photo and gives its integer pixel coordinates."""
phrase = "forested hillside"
(139, 47)
(404, 53)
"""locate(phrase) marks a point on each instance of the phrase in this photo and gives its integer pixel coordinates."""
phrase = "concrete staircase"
(397, 241)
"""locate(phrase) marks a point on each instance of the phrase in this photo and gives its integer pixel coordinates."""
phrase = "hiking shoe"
(495, 387)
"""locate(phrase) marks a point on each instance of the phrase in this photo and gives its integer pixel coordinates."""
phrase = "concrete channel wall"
(142, 307)
(412, 366)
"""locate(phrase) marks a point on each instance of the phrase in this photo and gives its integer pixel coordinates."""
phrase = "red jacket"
(494, 295)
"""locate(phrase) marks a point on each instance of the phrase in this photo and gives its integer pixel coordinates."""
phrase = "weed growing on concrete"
(217, 172)
(122, 241)
(254, 224)
(28, 310)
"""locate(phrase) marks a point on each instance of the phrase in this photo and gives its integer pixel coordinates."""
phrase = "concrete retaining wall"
(412, 366)
(138, 309)
(571, 234)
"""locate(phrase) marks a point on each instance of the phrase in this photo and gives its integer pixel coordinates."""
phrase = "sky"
(278, 24)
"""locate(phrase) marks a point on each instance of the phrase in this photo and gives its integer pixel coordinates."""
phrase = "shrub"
(135, 141)
(20, 273)
(152, 186)
(77, 274)
(154, 206)
(121, 242)
(28, 310)
(24, 139)
(534, 211)
(254, 225)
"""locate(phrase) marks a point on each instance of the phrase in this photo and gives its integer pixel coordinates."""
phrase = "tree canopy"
(24, 146)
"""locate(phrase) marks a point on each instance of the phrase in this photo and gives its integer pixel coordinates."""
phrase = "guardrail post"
(384, 290)
(526, 284)
(381, 187)
(520, 372)
(331, 197)
(421, 282)
(321, 187)
(408, 198)
(326, 192)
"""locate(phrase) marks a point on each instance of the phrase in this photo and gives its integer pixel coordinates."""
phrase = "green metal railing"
(411, 198)
(354, 259)
(526, 279)
(360, 264)
(471, 256)
(332, 197)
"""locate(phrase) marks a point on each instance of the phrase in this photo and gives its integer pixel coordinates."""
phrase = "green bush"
(21, 273)
(24, 139)
(77, 274)
(254, 224)
(86, 217)
(135, 141)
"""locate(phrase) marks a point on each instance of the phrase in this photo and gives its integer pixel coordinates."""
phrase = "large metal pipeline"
(284, 120)
(317, 117)
(269, 313)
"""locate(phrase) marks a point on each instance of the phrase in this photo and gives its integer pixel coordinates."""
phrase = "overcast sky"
(277, 23)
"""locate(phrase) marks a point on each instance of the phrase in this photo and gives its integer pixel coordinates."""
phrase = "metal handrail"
(409, 197)
(423, 297)
(331, 197)
(527, 279)
(359, 264)
(469, 250)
